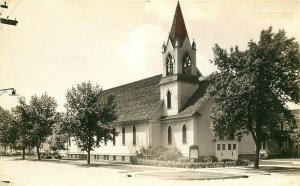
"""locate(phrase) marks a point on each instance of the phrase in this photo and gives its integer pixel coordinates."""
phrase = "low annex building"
(168, 110)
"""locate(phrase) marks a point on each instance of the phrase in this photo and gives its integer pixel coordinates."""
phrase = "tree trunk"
(256, 162)
(23, 153)
(29, 150)
(298, 150)
(89, 157)
(38, 152)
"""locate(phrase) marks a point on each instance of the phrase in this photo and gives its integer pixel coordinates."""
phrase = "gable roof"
(196, 101)
(178, 29)
(136, 101)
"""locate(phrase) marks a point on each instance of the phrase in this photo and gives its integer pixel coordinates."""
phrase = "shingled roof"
(178, 30)
(196, 101)
(137, 100)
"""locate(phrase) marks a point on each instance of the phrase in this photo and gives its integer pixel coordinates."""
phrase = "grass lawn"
(192, 175)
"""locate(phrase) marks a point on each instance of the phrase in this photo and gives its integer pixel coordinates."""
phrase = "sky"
(58, 44)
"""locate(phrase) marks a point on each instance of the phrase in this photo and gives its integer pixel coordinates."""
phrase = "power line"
(17, 3)
(7, 20)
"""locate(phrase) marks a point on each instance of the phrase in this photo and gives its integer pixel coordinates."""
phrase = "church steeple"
(178, 31)
(179, 79)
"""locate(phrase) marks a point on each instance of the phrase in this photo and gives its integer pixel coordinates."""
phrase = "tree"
(253, 86)
(60, 135)
(21, 117)
(43, 116)
(90, 114)
(7, 130)
(295, 135)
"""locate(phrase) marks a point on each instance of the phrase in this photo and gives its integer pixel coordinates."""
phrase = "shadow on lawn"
(282, 170)
(99, 165)
(79, 163)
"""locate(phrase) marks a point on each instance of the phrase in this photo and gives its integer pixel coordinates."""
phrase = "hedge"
(192, 165)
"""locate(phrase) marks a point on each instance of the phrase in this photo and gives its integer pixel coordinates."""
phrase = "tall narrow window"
(168, 99)
(169, 135)
(169, 65)
(123, 135)
(186, 64)
(134, 135)
(184, 134)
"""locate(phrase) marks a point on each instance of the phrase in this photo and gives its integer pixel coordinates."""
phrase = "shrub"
(210, 159)
(207, 159)
(165, 154)
(193, 165)
(183, 159)
(48, 157)
(287, 153)
(135, 160)
(242, 162)
(58, 156)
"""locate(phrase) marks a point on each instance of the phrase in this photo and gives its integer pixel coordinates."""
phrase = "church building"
(167, 110)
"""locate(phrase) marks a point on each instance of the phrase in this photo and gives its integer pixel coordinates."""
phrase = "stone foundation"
(99, 158)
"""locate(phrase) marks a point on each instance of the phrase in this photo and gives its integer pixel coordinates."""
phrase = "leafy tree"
(90, 114)
(43, 116)
(60, 135)
(7, 130)
(21, 117)
(295, 135)
(253, 86)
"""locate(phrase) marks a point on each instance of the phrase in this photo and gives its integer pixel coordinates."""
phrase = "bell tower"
(180, 75)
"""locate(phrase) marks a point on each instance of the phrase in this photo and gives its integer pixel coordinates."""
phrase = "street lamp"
(13, 91)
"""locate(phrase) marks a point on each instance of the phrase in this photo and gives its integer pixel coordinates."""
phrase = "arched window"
(123, 135)
(134, 135)
(169, 65)
(184, 134)
(168, 99)
(186, 64)
(169, 135)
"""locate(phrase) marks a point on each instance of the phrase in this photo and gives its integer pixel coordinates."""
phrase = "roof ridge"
(134, 82)
(198, 94)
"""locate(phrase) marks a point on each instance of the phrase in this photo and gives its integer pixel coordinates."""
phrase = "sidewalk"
(291, 162)
(267, 168)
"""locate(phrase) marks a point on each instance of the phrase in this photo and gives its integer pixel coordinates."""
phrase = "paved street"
(34, 173)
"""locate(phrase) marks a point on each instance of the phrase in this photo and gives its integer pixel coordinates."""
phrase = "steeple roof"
(178, 29)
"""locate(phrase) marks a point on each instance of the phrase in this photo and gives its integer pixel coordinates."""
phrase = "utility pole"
(7, 20)
(13, 91)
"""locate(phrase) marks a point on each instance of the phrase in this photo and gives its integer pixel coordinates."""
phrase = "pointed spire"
(178, 30)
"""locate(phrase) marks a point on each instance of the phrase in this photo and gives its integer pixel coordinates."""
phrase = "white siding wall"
(185, 92)
(173, 88)
(119, 148)
(204, 137)
(177, 135)
(246, 145)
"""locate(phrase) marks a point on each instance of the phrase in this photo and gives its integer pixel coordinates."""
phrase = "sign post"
(194, 153)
